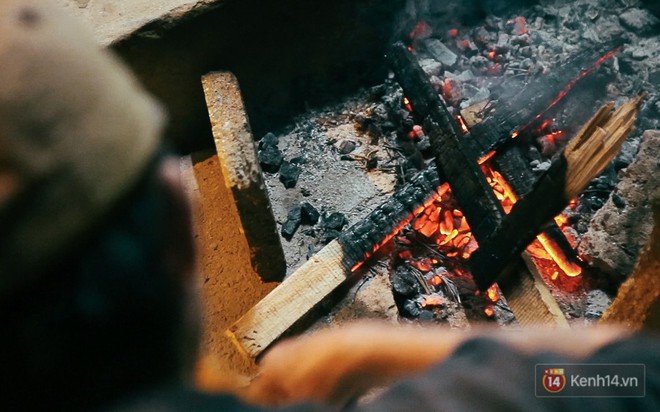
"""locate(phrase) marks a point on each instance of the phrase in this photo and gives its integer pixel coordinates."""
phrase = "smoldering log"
(510, 162)
(454, 159)
(361, 239)
(513, 115)
(330, 267)
(583, 159)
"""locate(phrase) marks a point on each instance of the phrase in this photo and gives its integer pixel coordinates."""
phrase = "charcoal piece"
(618, 201)
(410, 309)
(289, 228)
(639, 20)
(269, 140)
(334, 221)
(295, 213)
(424, 145)
(441, 52)
(289, 174)
(425, 315)
(404, 282)
(270, 158)
(329, 235)
(298, 160)
(309, 214)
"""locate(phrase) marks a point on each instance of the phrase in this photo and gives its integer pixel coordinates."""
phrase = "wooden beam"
(240, 167)
(586, 156)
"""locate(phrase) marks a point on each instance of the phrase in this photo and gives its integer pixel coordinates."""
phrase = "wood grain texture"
(240, 167)
(290, 301)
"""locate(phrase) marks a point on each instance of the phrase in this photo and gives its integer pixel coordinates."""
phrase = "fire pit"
(359, 202)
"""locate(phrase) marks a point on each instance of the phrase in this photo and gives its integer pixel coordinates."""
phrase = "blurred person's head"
(95, 247)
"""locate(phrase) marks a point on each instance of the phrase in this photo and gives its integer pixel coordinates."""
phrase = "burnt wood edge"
(453, 158)
(360, 240)
(509, 161)
(514, 115)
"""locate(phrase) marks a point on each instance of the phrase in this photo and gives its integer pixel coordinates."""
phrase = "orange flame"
(432, 300)
(508, 198)
(407, 104)
(464, 126)
(493, 294)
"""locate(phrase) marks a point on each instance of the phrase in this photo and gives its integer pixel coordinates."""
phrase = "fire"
(489, 311)
(508, 198)
(446, 226)
(493, 294)
(403, 224)
(407, 104)
(584, 73)
(421, 31)
(432, 301)
(487, 157)
(464, 126)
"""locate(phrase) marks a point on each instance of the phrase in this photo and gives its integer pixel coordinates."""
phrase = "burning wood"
(583, 159)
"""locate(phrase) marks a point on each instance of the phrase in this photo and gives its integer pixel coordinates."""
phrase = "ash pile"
(334, 166)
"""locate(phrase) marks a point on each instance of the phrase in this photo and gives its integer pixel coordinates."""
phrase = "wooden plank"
(330, 267)
(291, 300)
(530, 299)
(582, 160)
(240, 167)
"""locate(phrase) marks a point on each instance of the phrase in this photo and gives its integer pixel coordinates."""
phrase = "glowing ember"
(453, 33)
(464, 127)
(493, 294)
(401, 225)
(584, 73)
(489, 311)
(407, 104)
(491, 54)
(431, 301)
(520, 26)
(508, 198)
(485, 158)
(421, 31)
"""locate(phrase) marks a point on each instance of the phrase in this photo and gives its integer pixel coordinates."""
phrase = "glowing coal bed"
(474, 66)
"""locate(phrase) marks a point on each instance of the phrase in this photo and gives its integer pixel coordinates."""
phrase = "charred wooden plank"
(242, 174)
(453, 158)
(361, 239)
(509, 161)
(584, 158)
(330, 267)
(514, 114)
